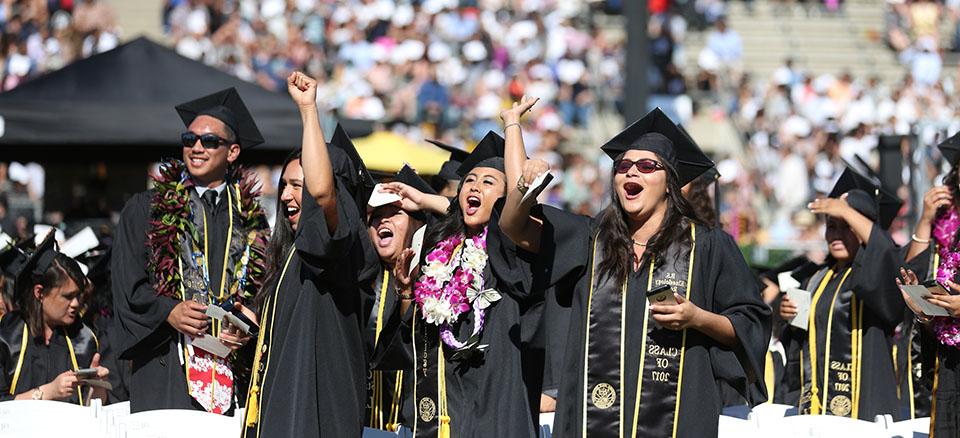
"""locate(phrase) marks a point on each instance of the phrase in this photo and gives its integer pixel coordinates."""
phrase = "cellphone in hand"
(86, 373)
(660, 295)
(936, 288)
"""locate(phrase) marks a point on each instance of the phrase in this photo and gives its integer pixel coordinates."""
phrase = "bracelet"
(517, 124)
(522, 185)
(919, 240)
(924, 320)
(406, 296)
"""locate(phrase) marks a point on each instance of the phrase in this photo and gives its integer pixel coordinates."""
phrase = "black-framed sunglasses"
(209, 141)
(644, 165)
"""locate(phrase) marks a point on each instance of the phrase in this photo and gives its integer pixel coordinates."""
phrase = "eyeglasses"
(209, 141)
(644, 165)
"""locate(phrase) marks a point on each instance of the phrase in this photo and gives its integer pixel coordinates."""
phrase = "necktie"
(210, 198)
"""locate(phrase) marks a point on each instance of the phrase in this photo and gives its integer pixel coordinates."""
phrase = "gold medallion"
(840, 406)
(428, 410)
(603, 395)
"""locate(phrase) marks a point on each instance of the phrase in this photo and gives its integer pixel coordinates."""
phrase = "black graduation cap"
(448, 170)
(488, 153)
(362, 178)
(656, 133)
(879, 205)
(410, 177)
(38, 262)
(950, 148)
(12, 258)
(227, 107)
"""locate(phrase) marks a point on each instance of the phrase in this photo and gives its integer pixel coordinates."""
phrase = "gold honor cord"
(643, 353)
(769, 377)
(23, 352)
(76, 366)
(376, 408)
(443, 409)
(933, 399)
(252, 413)
(683, 343)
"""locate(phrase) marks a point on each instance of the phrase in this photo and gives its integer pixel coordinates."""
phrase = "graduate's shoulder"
(11, 321)
(562, 218)
(139, 203)
(714, 237)
(11, 330)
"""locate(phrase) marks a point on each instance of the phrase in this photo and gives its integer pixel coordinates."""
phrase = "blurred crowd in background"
(444, 69)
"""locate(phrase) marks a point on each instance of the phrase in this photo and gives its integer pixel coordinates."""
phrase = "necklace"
(639, 243)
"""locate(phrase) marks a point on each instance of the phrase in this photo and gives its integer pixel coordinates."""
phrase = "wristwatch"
(37, 394)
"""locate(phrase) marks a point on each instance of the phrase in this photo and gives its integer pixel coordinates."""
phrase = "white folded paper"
(539, 184)
(917, 294)
(801, 299)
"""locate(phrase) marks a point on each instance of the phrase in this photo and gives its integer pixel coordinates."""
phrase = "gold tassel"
(815, 402)
(252, 407)
(444, 426)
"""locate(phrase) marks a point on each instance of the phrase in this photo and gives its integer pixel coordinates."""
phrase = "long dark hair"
(448, 225)
(280, 241)
(699, 198)
(61, 269)
(615, 237)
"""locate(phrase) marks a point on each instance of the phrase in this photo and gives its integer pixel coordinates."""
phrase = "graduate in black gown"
(782, 373)
(197, 238)
(44, 343)
(633, 369)
(845, 364)
(934, 254)
(395, 215)
(459, 324)
(310, 366)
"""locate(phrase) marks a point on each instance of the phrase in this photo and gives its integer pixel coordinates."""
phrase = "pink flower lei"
(945, 228)
(452, 269)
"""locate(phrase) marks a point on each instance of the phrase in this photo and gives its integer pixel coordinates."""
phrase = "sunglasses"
(208, 141)
(644, 165)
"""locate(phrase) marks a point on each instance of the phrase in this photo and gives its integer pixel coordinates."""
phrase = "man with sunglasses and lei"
(195, 240)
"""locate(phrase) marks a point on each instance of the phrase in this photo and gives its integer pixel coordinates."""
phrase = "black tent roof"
(123, 100)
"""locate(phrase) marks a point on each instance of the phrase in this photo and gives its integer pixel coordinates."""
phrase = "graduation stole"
(660, 375)
(261, 359)
(431, 416)
(386, 387)
(179, 249)
(830, 373)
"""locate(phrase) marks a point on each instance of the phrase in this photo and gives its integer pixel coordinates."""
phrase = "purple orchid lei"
(453, 268)
(945, 228)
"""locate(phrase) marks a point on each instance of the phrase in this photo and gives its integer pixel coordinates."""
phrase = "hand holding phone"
(661, 295)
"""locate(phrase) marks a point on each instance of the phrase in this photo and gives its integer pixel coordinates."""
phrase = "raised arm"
(515, 221)
(412, 199)
(317, 168)
(934, 199)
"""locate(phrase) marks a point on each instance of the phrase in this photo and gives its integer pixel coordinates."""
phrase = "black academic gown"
(486, 395)
(314, 381)
(713, 374)
(936, 380)
(41, 362)
(142, 334)
(387, 388)
(871, 283)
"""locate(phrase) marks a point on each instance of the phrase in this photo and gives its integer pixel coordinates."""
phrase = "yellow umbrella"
(387, 152)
